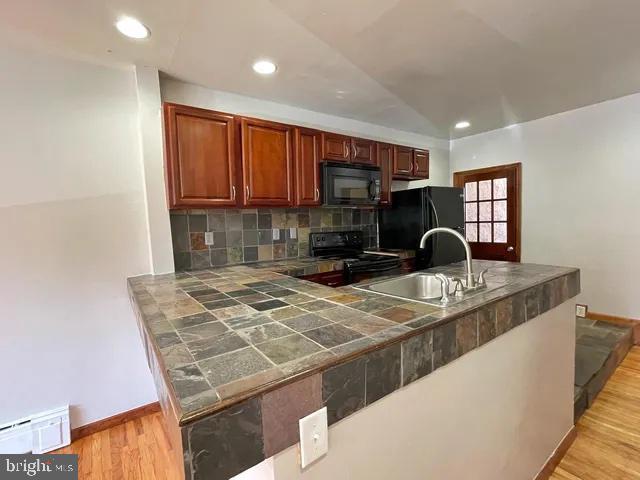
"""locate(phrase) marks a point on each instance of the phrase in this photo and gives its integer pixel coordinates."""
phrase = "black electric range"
(349, 247)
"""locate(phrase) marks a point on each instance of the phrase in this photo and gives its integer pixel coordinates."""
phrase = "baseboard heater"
(39, 433)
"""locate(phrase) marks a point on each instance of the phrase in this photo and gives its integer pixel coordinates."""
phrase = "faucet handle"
(444, 283)
(481, 280)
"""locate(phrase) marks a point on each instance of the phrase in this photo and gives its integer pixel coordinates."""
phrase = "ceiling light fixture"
(132, 28)
(264, 67)
(463, 124)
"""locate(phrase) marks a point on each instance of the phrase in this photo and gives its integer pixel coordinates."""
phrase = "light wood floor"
(607, 447)
(608, 442)
(136, 450)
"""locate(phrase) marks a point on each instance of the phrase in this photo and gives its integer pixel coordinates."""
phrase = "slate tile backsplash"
(241, 236)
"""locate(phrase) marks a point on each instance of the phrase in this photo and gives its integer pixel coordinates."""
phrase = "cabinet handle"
(346, 150)
(233, 192)
(248, 192)
(355, 151)
(317, 194)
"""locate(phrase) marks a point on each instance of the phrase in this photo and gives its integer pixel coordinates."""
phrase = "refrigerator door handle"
(437, 224)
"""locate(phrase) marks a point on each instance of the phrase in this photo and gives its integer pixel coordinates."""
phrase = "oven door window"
(347, 188)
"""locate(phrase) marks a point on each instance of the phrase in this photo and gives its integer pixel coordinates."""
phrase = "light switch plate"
(581, 310)
(276, 234)
(293, 233)
(208, 238)
(314, 437)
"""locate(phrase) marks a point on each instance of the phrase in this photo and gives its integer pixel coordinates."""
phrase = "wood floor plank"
(608, 443)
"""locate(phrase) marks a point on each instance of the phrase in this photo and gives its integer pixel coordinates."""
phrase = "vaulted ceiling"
(416, 65)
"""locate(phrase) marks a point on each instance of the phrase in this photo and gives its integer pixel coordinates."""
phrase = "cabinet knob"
(509, 249)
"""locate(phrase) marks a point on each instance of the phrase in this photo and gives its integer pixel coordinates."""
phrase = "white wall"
(581, 194)
(195, 95)
(498, 412)
(72, 214)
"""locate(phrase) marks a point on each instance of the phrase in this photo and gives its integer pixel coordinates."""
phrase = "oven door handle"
(373, 270)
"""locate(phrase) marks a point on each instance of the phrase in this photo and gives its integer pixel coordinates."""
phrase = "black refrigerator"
(415, 211)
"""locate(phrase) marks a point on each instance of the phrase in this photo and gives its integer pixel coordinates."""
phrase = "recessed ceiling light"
(463, 124)
(132, 28)
(264, 67)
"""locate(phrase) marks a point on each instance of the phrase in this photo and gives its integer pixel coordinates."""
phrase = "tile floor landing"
(600, 347)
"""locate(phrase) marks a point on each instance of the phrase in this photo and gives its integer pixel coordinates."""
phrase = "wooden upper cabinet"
(421, 163)
(307, 174)
(385, 161)
(363, 151)
(200, 157)
(335, 147)
(267, 163)
(402, 161)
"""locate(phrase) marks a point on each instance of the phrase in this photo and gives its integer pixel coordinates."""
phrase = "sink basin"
(423, 287)
(419, 286)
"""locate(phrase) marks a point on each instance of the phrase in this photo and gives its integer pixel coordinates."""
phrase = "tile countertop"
(222, 335)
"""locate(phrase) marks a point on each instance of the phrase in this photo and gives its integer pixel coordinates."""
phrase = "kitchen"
(291, 254)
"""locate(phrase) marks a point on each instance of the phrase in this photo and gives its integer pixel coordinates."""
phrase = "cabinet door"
(421, 163)
(307, 167)
(402, 161)
(363, 151)
(336, 147)
(385, 161)
(200, 156)
(267, 163)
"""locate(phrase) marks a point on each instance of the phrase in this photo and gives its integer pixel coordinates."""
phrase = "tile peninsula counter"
(240, 353)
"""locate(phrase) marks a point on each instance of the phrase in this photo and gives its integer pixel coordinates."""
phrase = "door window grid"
(486, 211)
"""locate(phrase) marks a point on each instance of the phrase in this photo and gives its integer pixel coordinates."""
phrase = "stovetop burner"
(346, 246)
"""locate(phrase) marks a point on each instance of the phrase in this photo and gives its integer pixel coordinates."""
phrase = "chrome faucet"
(471, 280)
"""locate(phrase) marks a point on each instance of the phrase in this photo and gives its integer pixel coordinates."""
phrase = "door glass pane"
(500, 232)
(485, 232)
(471, 191)
(471, 214)
(500, 210)
(500, 188)
(484, 190)
(485, 211)
(471, 232)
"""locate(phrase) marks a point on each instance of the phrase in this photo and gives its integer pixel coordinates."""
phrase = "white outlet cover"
(293, 233)
(314, 437)
(581, 310)
(276, 234)
(208, 238)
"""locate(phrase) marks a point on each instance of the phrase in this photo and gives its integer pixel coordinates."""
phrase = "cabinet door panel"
(402, 161)
(421, 163)
(307, 167)
(363, 151)
(336, 147)
(385, 161)
(200, 157)
(267, 163)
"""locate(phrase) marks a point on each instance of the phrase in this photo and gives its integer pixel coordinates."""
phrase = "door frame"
(458, 181)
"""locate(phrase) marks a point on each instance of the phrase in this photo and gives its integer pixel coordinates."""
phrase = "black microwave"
(345, 184)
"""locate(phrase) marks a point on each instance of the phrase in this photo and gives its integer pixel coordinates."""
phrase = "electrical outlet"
(276, 234)
(208, 238)
(314, 437)
(581, 310)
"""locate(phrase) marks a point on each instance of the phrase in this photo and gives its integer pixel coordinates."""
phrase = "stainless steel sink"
(422, 287)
